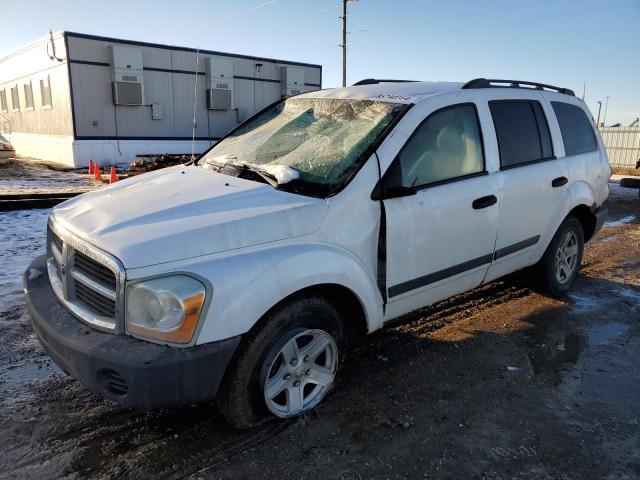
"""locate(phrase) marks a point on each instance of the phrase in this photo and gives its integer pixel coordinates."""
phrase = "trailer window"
(3, 101)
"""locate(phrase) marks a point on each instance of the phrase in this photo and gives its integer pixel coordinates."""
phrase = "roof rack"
(375, 81)
(488, 83)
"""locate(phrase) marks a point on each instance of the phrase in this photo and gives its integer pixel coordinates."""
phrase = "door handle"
(558, 182)
(484, 202)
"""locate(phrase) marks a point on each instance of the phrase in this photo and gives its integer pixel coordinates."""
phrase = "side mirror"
(384, 190)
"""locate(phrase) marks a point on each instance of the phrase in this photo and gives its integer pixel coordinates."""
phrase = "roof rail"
(488, 83)
(375, 81)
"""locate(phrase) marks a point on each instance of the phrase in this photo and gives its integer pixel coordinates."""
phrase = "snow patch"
(282, 173)
(22, 236)
(621, 221)
(220, 160)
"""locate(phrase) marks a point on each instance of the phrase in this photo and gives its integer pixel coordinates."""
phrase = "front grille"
(94, 301)
(94, 270)
(87, 286)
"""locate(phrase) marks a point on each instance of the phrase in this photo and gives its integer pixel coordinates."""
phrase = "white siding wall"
(31, 64)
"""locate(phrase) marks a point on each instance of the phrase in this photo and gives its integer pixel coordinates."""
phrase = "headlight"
(165, 309)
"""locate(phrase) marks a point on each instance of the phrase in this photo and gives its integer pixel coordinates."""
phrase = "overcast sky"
(562, 42)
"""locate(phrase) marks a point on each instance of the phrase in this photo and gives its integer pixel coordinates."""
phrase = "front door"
(441, 226)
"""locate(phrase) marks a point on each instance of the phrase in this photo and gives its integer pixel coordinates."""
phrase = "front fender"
(246, 285)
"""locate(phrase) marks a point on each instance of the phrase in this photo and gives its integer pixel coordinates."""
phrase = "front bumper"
(132, 372)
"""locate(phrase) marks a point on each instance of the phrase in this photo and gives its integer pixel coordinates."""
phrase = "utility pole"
(599, 108)
(344, 43)
(606, 104)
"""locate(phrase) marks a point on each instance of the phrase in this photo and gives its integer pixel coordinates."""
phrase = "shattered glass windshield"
(316, 142)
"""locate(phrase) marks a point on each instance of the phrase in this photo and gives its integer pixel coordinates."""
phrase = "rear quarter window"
(577, 133)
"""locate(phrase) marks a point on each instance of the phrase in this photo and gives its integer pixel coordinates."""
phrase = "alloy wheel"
(301, 373)
(566, 257)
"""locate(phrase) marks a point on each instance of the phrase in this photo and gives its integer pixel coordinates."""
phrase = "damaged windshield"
(305, 144)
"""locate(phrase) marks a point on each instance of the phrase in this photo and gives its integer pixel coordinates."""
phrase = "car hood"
(183, 212)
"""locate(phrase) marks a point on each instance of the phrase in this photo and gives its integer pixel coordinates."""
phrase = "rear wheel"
(287, 365)
(561, 262)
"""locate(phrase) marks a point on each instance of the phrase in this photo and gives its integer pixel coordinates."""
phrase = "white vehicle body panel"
(256, 246)
(183, 212)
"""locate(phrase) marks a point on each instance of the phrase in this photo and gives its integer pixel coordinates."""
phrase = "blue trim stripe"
(89, 62)
(186, 72)
(255, 79)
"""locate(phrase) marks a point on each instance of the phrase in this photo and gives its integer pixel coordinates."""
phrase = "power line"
(245, 11)
(335, 7)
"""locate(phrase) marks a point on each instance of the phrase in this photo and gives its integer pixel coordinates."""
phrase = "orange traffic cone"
(98, 173)
(91, 167)
(113, 177)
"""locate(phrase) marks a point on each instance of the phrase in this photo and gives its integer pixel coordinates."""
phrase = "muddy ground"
(499, 383)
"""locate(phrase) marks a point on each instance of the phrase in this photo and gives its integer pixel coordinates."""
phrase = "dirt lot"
(501, 382)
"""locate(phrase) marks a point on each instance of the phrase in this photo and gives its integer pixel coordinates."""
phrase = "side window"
(448, 144)
(522, 132)
(28, 96)
(15, 99)
(577, 133)
(45, 92)
(3, 101)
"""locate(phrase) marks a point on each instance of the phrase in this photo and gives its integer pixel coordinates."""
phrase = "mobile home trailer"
(72, 97)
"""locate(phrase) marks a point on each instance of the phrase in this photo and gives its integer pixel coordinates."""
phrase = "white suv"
(239, 276)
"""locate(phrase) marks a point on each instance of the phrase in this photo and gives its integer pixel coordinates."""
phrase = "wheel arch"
(587, 219)
(583, 202)
(341, 296)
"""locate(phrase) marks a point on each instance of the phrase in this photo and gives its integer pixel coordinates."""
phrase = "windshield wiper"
(267, 177)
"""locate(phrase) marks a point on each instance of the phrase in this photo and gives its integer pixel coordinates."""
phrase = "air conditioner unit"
(128, 75)
(292, 80)
(219, 78)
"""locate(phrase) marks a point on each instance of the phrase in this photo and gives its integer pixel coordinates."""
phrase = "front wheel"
(287, 365)
(561, 262)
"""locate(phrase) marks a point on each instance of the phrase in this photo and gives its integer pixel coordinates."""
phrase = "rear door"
(441, 228)
(533, 181)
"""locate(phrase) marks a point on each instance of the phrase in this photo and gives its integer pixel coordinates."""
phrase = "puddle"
(603, 334)
(19, 374)
(554, 348)
(630, 294)
(622, 221)
(583, 303)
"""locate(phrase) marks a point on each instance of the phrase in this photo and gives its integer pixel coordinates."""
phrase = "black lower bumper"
(600, 214)
(132, 372)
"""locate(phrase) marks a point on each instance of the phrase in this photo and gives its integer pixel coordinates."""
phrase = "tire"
(630, 182)
(259, 361)
(557, 276)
